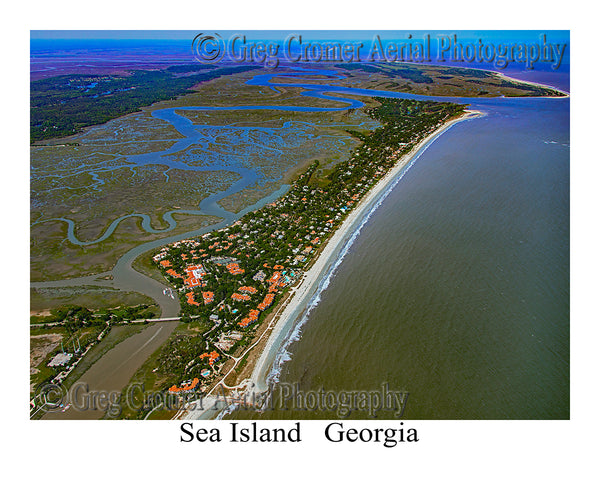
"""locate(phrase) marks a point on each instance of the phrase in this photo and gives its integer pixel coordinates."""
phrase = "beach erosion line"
(305, 295)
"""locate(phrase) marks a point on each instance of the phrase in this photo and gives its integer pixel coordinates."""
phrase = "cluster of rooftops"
(234, 275)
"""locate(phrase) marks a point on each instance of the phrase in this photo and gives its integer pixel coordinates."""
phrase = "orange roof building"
(250, 290)
(173, 273)
(234, 269)
(208, 297)
(195, 273)
(212, 357)
(238, 297)
(190, 299)
(186, 387)
(266, 303)
(250, 319)
(274, 278)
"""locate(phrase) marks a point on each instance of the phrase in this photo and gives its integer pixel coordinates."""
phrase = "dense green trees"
(63, 105)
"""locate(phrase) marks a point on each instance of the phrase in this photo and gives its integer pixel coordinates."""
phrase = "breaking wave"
(284, 354)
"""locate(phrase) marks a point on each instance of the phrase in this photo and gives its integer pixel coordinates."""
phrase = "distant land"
(61, 106)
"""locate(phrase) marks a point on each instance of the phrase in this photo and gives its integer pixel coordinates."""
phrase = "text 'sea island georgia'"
(287, 225)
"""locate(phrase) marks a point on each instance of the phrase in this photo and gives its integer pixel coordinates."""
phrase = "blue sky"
(357, 35)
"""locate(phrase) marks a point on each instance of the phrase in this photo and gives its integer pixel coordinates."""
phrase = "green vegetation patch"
(94, 298)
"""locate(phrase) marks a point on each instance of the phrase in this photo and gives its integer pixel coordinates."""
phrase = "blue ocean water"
(457, 288)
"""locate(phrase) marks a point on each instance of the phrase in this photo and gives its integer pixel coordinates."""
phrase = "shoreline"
(284, 322)
(535, 84)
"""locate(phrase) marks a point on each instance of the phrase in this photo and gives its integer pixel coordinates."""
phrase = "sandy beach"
(308, 286)
(303, 291)
(518, 80)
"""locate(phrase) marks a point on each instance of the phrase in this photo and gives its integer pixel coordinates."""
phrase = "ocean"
(456, 290)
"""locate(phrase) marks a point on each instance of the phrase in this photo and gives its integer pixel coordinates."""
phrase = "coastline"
(300, 295)
(535, 84)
